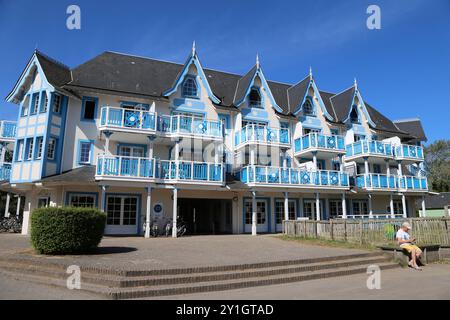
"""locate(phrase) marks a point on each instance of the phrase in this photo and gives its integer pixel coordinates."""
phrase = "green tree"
(437, 159)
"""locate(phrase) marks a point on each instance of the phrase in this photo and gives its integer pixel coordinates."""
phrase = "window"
(321, 165)
(121, 210)
(336, 165)
(57, 103)
(255, 98)
(354, 117)
(81, 200)
(30, 144)
(308, 108)
(334, 132)
(359, 137)
(131, 151)
(25, 109)
(398, 207)
(309, 130)
(20, 150)
(360, 207)
(376, 168)
(39, 143)
(35, 108)
(84, 156)
(43, 202)
(45, 105)
(51, 149)
(89, 109)
(336, 208)
(260, 211)
(189, 87)
(279, 210)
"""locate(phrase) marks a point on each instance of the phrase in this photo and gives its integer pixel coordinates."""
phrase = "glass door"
(279, 213)
(309, 209)
(122, 214)
(262, 208)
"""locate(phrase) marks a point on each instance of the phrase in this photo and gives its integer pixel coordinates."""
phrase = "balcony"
(127, 120)
(7, 130)
(5, 171)
(326, 146)
(408, 153)
(257, 134)
(369, 148)
(293, 178)
(382, 182)
(152, 170)
(190, 126)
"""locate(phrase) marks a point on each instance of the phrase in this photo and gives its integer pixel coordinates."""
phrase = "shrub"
(66, 230)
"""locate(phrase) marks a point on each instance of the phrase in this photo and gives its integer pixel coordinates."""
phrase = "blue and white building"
(150, 140)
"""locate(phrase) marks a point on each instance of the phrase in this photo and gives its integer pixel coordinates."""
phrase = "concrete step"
(126, 281)
(126, 287)
(59, 265)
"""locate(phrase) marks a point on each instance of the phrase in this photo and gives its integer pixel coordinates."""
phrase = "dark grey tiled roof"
(341, 103)
(436, 201)
(81, 174)
(143, 76)
(297, 92)
(413, 127)
(55, 72)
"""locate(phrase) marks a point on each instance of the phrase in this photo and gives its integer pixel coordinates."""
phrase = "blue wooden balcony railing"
(189, 125)
(127, 118)
(314, 141)
(369, 147)
(5, 171)
(259, 133)
(8, 129)
(144, 168)
(382, 181)
(290, 176)
(405, 151)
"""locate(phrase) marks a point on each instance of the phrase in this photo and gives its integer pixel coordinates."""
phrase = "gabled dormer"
(191, 86)
(251, 93)
(305, 99)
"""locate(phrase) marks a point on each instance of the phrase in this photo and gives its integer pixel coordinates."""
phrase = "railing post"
(139, 168)
(192, 170)
(120, 166)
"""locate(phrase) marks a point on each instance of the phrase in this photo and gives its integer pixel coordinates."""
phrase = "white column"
(19, 198)
(315, 160)
(285, 157)
(405, 214)
(107, 144)
(150, 150)
(317, 207)
(424, 209)
(177, 156)
(366, 166)
(252, 156)
(341, 164)
(344, 206)
(370, 207)
(400, 170)
(103, 198)
(8, 198)
(388, 169)
(391, 205)
(174, 213)
(216, 153)
(148, 212)
(3, 153)
(254, 214)
(286, 206)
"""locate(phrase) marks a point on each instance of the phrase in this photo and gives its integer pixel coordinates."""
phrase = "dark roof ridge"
(51, 59)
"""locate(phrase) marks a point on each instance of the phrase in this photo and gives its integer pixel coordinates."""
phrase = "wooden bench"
(430, 253)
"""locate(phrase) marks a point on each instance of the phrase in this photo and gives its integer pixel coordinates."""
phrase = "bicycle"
(181, 228)
(154, 229)
(11, 224)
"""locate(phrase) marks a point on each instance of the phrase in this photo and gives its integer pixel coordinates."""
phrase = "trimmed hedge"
(66, 230)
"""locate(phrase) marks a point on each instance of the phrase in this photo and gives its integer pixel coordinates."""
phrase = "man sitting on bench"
(406, 242)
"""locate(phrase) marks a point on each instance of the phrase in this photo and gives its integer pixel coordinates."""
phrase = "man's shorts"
(411, 247)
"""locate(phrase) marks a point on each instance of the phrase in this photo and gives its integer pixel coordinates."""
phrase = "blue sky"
(403, 69)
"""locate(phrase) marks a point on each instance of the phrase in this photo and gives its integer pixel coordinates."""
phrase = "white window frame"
(37, 99)
(57, 103)
(80, 152)
(39, 144)
(30, 148)
(279, 205)
(72, 195)
(20, 150)
(51, 149)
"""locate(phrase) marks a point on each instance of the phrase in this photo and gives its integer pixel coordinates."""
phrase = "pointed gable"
(342, 103)
(245, 84)
(53, 72)
(296, 94)
(192, 59)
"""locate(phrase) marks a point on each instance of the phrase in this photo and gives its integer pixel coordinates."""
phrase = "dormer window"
(190, 88)
(354, 117)
(308, 108)
(254, 98)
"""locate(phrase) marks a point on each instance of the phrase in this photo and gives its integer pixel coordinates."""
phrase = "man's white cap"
(406, 225)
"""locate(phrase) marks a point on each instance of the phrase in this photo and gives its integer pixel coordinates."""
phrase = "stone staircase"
(129, 284)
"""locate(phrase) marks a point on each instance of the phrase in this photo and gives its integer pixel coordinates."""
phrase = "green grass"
(327, 243)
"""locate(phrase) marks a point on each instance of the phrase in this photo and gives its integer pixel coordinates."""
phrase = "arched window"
(354, 117)
(308, 109)
(255, 98)
(189, 87)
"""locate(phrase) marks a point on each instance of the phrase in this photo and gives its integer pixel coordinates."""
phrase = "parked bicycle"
(181, 228)
(11, 224)
(154, 229)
